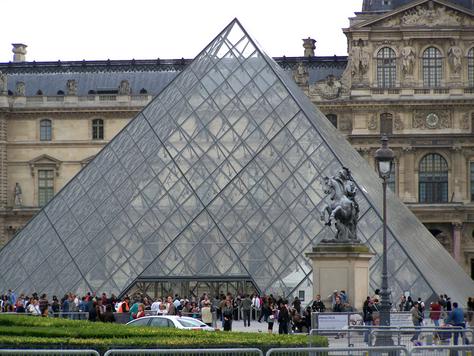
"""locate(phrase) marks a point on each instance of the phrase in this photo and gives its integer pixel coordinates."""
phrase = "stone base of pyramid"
(341, 266)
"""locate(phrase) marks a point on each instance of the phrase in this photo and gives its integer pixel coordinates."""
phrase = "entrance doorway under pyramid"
(218, 179)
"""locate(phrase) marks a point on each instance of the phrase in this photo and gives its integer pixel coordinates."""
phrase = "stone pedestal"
(342, 267)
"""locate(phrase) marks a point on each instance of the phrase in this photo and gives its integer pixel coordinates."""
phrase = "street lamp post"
(384, 160)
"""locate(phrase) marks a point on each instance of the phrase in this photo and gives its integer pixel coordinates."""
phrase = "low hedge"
(32, 332)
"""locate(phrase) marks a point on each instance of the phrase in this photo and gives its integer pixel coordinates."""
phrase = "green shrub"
(28, 331)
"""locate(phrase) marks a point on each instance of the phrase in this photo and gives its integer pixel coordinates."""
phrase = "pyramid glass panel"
(217, 179)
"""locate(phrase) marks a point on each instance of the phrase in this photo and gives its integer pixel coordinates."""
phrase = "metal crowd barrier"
(408, 337)
(423, 336)
(442, 351)
(185, 352)
(359, 337)
(339, 351)
(71, 315)
(47, 352)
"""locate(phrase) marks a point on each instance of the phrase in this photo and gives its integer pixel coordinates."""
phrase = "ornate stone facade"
(428, 117)
(425, 119)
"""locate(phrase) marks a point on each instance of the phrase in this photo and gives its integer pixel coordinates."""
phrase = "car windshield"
(190, 323)
(140, 322)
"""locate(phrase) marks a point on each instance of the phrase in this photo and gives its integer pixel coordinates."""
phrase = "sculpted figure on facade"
(18, 196)
(343, 208)
(329, 89)
(20, 89)
(301, 74)
(124, 88)
(455, 59)
(3, 83)
(408, 59)
(360, 59)
(71, 87)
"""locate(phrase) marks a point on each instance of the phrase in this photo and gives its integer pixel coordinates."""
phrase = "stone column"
(457, 235)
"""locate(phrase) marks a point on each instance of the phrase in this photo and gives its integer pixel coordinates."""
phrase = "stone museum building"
(409, 74)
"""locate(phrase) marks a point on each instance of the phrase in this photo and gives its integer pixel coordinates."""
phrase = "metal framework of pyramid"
(219, 176)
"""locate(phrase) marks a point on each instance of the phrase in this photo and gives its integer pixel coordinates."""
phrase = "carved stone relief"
(431, 15)
(428, 14)
(432, 120)
(465, 120)
(345, 124)
(397, 123)
(328, 89)
(372, 122)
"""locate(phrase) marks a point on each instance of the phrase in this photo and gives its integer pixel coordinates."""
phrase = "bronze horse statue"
(343, 210)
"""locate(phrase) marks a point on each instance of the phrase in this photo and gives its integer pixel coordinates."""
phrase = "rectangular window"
(472, 180)
(301, 295)
(45, 186)
(392, 180)
(98, 129)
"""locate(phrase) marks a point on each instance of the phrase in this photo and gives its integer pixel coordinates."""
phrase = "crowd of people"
(223, 308)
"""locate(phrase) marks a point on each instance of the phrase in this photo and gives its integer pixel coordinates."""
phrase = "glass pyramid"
(219, 176)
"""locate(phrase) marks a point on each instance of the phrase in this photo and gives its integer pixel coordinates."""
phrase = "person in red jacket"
(435, 313)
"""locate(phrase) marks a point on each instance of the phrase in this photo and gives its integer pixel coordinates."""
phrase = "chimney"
(309, 46)
(19, 52)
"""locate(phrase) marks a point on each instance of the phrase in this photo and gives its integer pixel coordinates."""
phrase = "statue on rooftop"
(342, 208)
(71, 87)
(124, 88)
(3, 83)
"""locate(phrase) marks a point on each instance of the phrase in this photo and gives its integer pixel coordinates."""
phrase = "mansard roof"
(150, 75)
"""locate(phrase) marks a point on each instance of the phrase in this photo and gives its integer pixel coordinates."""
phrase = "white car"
(171, 321)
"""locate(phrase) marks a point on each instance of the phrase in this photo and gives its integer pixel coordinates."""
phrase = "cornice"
(150, 65)
(74, 113)
(60, 144)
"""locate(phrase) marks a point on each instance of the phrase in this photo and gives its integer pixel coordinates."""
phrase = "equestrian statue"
(342, 209)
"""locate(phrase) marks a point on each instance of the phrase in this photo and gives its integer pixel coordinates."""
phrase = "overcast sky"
(149, 29)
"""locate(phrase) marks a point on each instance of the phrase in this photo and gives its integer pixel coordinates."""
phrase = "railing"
(445, 350)
(422, 91)
(52, 352)
(185, 352)
(55, 98)
(107, 97)
(339, 351)
(408, 337)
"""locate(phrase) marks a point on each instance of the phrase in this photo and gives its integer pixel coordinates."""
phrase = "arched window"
(45, 130)
(97, 129)
(39, 92)
(433, 179)
(60, 92)
(432, 67)
(470, 67)
(143, 91)
(386, 123)
(332, 119)
(386, 68)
